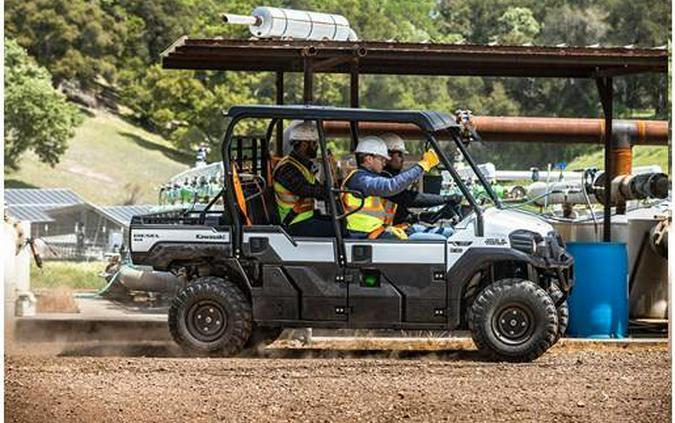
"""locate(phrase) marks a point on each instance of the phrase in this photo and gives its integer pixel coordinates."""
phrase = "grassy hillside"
(107, 161)
(642, 156)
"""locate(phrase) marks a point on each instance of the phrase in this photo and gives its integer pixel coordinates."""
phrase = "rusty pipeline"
(627, 133)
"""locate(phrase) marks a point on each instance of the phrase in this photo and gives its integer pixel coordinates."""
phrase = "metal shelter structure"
(390, 58)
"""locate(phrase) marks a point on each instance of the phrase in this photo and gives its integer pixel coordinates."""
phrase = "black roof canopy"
(412, 58)
(427, 120)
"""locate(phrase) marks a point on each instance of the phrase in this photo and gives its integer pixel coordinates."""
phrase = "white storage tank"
(274, 22)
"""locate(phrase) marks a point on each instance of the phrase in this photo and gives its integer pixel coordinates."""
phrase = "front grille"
(523, 241)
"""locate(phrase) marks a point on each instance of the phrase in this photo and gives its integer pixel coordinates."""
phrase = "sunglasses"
(393, 153)
(380, 158)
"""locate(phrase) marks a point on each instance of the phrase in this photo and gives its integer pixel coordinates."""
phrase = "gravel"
(151, 382)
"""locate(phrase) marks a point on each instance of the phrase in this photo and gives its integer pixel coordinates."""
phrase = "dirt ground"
(151, 382)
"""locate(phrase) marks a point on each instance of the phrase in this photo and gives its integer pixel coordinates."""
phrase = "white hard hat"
(394, 142)
(372, 145)
(298, 131)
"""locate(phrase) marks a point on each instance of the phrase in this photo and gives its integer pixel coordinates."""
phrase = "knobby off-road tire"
(211, 316)
(513, 320)
(556, 294)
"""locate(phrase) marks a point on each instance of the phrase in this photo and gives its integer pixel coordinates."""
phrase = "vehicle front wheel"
(556, 294)
(211, 316)
(513, 320)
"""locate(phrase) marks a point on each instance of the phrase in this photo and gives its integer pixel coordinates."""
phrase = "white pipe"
(240, 19)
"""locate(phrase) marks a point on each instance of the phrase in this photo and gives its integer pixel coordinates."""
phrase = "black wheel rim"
(206, 321)
(513, 324)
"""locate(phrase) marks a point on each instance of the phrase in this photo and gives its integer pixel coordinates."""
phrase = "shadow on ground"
(169, 350)
(172, 154)
(15, 183)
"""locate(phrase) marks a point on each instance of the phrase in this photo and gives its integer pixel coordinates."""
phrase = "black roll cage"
(428, 122)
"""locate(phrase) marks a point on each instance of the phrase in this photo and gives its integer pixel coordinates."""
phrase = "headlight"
(526, 241)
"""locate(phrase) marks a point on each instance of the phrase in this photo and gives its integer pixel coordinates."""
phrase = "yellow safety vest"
(302, 208)
(374, 216)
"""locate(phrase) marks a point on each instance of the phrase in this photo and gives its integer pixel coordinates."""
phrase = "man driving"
(410, 198)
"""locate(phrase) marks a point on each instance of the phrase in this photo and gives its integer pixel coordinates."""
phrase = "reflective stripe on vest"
(376, 212)
(302, 208)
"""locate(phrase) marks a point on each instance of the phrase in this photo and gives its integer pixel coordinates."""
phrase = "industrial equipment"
(273, 22)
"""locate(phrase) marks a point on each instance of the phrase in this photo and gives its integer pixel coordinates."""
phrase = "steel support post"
(308, 73)
(354, 101)
(605, 88)
(354, 85)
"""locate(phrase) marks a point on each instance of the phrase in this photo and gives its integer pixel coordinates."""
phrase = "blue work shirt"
(371, 184)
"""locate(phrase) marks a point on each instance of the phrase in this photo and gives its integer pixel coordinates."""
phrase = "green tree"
(74, 39)
(517, 25)
(37, 117)
(575, 26)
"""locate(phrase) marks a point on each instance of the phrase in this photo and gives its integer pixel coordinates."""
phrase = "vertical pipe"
(605, 87)
(622, 155)
(308, 83)
(278, 150)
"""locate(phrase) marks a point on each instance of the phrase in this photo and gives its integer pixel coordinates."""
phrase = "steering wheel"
(448, 211)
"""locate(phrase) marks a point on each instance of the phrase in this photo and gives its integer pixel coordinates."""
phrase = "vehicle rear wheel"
(513, 320)
(556, 294)
(211, 316)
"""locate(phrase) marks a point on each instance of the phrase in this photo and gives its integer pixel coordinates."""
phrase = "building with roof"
(68, 223)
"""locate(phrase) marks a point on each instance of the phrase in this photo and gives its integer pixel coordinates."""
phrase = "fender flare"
(463, 270)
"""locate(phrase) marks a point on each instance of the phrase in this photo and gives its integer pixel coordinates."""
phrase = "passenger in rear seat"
(296, 187)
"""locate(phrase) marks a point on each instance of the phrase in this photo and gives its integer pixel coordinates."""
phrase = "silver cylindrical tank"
(648, 272)
(586, 231)
(558, 193)
(274, 22)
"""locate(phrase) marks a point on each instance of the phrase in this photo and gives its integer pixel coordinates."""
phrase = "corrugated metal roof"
(122, 214)
(32, 204)
(32, 213)
(412, 58)
(41, 197)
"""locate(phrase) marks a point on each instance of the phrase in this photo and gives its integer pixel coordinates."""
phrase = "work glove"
(397, 232)
(429, 160)
(453, 199)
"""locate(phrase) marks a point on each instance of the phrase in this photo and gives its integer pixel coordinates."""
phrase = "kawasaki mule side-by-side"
(504, 274)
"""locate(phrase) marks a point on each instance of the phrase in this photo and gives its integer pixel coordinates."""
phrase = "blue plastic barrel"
(599, 301)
